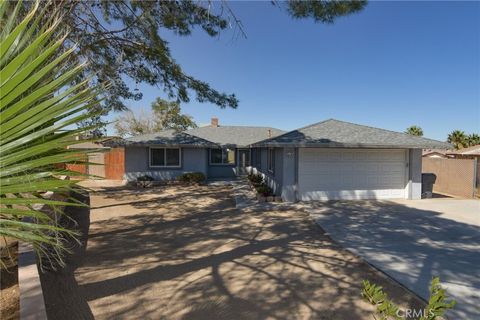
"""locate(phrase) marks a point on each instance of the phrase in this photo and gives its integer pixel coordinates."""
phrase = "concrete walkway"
(246, 198)
(242, 192)
(413, 241)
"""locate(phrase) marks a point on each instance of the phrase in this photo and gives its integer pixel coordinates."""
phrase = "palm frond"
(36, 102)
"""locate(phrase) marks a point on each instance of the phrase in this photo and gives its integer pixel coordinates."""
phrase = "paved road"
(413, 241)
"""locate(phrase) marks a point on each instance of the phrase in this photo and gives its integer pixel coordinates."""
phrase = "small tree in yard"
(414, 131)
(36, 109)
(131, 124)
(165, 115)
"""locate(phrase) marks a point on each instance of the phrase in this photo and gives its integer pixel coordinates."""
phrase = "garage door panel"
(351, 174)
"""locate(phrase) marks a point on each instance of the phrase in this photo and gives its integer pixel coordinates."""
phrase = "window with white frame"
(271, 160)
(222, 156)
(164, 157)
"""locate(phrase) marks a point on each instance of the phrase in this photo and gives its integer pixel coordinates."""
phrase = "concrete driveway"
(413, 241)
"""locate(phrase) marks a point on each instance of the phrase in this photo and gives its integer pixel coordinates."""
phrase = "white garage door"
(332, 174)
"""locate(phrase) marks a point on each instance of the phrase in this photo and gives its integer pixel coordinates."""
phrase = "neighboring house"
(435, 153)
(465, 153)
(328, 160)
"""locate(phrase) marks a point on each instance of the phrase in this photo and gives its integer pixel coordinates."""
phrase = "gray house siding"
(260, 166)
(290, 174)
(253, 157)
(276, 178)
(415, 174)
(137, 163)
(222, 171)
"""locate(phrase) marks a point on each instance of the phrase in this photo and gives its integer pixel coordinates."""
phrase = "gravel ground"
(177, 252)
(9, 291)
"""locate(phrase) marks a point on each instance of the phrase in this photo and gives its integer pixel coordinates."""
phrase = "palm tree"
(37, 108)
(473, 139)
(458, 139)
(414, 131)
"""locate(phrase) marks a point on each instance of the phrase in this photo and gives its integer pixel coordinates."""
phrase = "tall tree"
(124, 39)
(458, 139)
(164, 115)
(414, 131)
(473, 139)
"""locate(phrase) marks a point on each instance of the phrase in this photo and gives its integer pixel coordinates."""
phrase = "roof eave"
(347, 145)
(463, 154)
(153, 143)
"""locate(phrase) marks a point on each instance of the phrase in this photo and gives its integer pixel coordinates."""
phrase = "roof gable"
(234, 135)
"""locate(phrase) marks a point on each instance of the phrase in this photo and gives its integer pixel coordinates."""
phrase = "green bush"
(192, 177)
(255, 179)
(184, 178)
(264, 190)
(145, 178)
(197, 177)
(144, 181)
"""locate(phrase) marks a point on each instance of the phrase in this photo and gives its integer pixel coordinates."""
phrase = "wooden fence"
(109, 164)
(77, 167)
(455, 177)
(96, 166)
(115, 164)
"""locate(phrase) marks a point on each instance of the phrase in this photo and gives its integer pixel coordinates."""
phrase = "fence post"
(475, 168)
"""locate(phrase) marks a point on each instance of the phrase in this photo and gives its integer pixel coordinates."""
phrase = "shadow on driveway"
(189, 254)
(412, 245)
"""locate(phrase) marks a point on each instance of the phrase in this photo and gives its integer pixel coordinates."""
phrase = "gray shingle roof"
(234, 135)
(335, 133)
(168, 137)
(206, 136)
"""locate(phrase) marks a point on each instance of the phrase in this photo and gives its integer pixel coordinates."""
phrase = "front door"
(243, 161)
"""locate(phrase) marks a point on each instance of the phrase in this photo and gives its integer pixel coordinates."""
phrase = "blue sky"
(392, 65)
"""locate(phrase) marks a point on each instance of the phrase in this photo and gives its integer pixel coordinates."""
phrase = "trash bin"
(428, 180)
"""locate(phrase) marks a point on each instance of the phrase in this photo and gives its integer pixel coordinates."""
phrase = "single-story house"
(435, 153)
(472, 152)
(327, 160)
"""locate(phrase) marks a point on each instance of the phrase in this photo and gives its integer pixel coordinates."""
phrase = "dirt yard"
(186, 253)
(9, 291)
